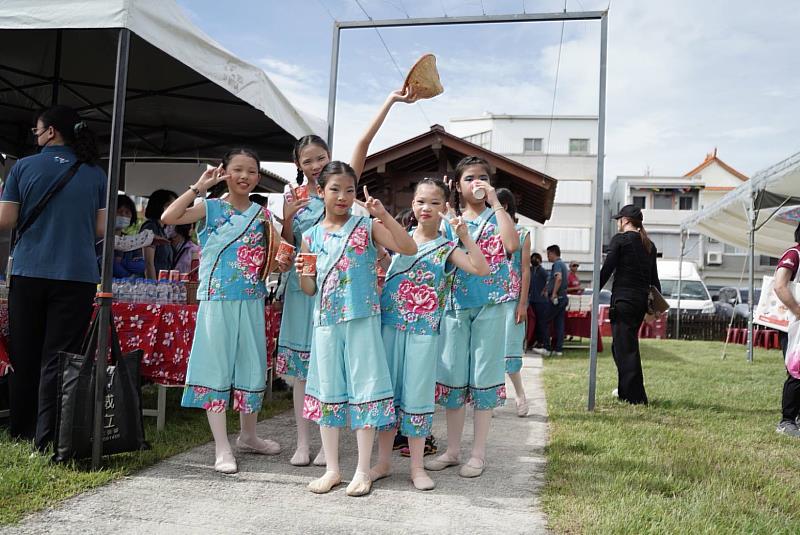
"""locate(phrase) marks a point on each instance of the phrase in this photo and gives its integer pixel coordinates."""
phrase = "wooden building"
(392, 173)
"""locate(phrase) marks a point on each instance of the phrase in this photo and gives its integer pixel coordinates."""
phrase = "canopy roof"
(187, 96)
(727, 220)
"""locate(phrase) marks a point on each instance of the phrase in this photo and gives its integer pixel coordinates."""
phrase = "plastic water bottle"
(183, 293)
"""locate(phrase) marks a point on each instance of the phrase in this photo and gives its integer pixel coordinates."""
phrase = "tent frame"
(602, 16)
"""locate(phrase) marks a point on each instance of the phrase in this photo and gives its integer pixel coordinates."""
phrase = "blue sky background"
(685, 76)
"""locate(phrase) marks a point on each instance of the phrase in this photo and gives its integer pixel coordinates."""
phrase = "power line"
(399, 6)
(441, 4)
(327, 10)
(391, 56)
(555, 92)
(483, 9)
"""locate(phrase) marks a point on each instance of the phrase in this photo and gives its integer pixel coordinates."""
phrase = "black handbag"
(123, 425)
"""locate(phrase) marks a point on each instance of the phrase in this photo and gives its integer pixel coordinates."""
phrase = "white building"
(563, 147)
(667, 200)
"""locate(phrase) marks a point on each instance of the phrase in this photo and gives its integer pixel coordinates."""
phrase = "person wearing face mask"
(159, 256)
(56, 200)
(127, 264)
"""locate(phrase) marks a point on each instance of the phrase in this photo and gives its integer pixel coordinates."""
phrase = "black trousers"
(627, 312)
(45, 316)
(790, 401)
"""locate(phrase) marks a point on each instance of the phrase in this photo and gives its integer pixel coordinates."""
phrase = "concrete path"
(184, 495)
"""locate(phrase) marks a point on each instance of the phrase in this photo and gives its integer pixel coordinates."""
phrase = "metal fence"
(702, 327)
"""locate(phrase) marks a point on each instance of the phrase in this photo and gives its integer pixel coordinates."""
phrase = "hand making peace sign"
(373, 206)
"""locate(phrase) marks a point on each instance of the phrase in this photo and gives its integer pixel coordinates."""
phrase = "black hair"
(537, 255)
(185, 231)
(507, 199)
(155, 205)
(73, 130)
(797, 234)
(243, 151)
(123, 201)
(405, 217)
(461, 166)
(302, 143)
(436, 182)
(555, 249)
(639, 226)
(258, 199)
(336, 168)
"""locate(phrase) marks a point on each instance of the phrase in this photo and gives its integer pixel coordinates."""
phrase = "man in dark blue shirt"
(537, 298)
(556, 295)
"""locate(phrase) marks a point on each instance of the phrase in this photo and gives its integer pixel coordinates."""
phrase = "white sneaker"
(540, 351)
(615, 392)
(557, 354)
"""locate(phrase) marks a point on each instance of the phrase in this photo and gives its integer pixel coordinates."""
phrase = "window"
(689, 289)
(532, 144)
(639, 201)
(730, 249)
(662, 201)
(685, 203)
(571, 240)
(578, 146)
(767, 261)
(574, 192)
(482, 139)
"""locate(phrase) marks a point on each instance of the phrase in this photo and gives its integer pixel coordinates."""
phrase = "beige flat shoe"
(300, 458)
(375, 474)
(361, 485)
(267, 447)
(440, 463)
(324, 484)
(522, 409)
(319, 460)
(470, 470)
(421, 480)
(226, 463)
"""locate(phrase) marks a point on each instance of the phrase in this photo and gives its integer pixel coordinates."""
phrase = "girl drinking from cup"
(412, 304)
(303, 209)
(229, 352)
(471, 363)
(348, 373)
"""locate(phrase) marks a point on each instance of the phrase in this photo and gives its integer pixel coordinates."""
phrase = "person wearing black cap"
(632, 260)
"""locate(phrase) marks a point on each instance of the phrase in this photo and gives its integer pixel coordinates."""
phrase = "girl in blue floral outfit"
(412, 304)
(311, 155)
(228, 356)
(517, 310)
(471, 364)
(348, 373)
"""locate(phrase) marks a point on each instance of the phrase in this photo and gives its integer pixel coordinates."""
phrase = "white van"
(694, 294)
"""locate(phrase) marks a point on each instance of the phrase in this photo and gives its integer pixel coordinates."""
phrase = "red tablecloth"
(163, 332)
(580, 324)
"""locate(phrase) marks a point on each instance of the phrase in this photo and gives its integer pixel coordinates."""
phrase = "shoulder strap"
(39, 208)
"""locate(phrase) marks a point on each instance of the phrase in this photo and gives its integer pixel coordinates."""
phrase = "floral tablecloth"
(163, 332)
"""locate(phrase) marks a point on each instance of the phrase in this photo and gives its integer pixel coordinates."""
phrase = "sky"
(684, 76)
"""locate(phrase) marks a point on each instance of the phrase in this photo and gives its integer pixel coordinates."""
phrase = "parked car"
(694, 296)
(605, 295)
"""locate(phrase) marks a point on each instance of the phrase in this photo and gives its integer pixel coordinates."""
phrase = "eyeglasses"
(36, 132)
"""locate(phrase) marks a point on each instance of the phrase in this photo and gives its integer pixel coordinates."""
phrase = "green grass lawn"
(31, 482)
(703, 457)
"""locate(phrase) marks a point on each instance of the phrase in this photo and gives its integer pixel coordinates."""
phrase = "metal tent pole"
(598, 211)
(333, 79)
(751, 273)
(104, 297)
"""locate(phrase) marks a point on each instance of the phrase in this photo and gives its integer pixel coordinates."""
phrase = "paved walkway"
(184, 495)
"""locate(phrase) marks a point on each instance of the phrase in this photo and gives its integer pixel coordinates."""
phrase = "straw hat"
(423, 78)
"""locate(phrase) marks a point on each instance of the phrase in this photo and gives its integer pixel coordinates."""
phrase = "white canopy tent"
(745, 218)
(187, 96)
(149, 83)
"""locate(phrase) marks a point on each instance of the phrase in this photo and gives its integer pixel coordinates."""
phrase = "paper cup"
(309, 264)
(301, 193)
(479, 193)
(285, 252)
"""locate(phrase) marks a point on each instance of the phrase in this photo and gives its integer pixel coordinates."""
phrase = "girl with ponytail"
(632, 260)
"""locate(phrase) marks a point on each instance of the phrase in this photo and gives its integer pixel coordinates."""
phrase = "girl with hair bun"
(311, 154)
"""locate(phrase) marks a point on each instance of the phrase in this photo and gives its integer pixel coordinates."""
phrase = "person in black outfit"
(632, 261)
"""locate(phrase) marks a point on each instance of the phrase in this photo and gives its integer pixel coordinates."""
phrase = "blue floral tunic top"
(413, 297)
(515, 263)
(346, 274)
(500, 286)
(234, 251)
